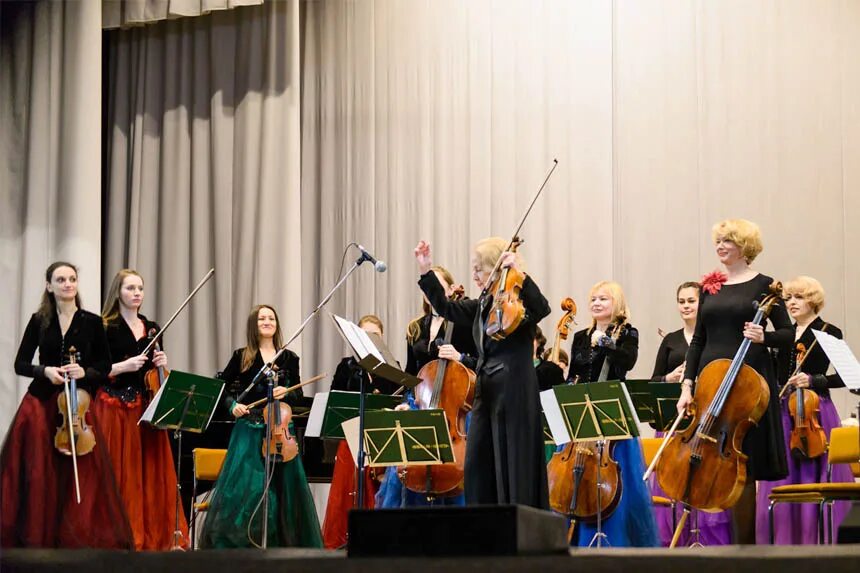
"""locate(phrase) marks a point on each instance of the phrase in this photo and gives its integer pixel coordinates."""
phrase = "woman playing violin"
(38, 502)
(504, 451)
(140, 454)
(714, 528)
(798, 523)
(607, 350)
(726, 311)
(425, 343)
(235, 519)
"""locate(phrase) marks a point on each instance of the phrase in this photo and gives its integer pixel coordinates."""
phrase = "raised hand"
(423, 256)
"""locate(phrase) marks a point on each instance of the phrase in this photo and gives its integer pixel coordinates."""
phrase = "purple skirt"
(797, 523)
(714, 528)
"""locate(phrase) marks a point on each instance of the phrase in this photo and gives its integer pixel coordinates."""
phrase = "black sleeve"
(411, 361)
(27, 350)
(661, 364)
(459, 312)
(469, 361)
(342, 375)
(697, 344)
(580, 364)
(99, 361)
(535, 303)
(292, 375)
(231, 374)
(626, 351)
(782, 334)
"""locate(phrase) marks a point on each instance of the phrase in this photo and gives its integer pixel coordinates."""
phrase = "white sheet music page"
(841, 357)
(317, 415)
(554, 418)
(351, 332)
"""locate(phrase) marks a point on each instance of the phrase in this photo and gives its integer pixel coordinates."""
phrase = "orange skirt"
(144, 468)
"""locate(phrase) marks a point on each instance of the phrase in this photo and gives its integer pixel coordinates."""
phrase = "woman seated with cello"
(50, 495)
(607, 350)
(808, 416)
(235, 516)
(728, 308)
(504, 448)
(425, 343)
(140, 454)
(713, 528)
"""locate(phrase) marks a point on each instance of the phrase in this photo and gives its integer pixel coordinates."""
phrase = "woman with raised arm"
(504, 451)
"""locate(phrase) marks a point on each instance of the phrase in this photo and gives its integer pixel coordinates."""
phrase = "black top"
(549, 374)
(670, 355)
(85, 333)
(423, 350)
(587, 360)
(348, 375)
(816, 363)
(123, 345)
(719, 334)
(238, 379)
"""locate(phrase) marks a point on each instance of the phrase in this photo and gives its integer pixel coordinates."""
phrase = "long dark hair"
(250, 352)
(48, 305)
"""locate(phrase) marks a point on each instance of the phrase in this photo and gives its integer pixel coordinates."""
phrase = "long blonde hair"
(110, 310)
(413, 329)
(620, 310)
(253, 333)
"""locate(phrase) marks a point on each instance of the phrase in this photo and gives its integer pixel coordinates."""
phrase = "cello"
(703, 466)
(448, 385)
(572, 476)
(808, 440)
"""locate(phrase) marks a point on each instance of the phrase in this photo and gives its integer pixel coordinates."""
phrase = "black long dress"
(816, 362)
(587, 360)
(719, 334)
(504, 453)
(670, 355)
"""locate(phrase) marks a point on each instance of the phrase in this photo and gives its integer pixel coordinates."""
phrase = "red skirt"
(144, 468)
(341, 497)
(38, 507)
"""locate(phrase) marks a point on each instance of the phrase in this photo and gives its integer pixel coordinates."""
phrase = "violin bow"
(316, 378)
(514, 237)
(167, 324)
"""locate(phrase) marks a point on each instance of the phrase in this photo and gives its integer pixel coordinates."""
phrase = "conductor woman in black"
(504, 449)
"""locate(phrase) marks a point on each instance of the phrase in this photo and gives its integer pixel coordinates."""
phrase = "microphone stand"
(270, 406)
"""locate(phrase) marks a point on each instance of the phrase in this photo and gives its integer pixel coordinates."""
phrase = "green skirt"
(293, 518)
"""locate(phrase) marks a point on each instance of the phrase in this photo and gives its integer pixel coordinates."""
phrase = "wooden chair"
(207, 467)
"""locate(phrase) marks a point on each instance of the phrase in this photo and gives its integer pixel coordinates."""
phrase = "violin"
(508, 310)
(448, 385)
(154, 378)
(702, 465)
(808, 440)
(282, 445)
(562, 330)
(74, 437)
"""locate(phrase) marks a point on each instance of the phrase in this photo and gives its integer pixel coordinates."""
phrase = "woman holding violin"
(504, 448)
(425, 343)
(342, 496)
(727, 309)
(235, 517)
(607, 350)
(808, 416)
(48, 496)
(140, 454)
(714, 528)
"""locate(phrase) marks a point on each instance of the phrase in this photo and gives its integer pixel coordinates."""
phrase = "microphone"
(379, 266)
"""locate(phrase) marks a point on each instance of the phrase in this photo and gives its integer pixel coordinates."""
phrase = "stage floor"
(734, 559)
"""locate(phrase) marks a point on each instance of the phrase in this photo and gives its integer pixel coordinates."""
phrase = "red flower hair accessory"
(713, 282)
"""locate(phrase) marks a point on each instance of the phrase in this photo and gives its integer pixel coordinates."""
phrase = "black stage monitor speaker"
(446, 531)
(849, 529)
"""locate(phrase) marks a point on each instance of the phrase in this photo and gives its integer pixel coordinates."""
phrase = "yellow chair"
(844, 448)
(649, 450)
(207, 467)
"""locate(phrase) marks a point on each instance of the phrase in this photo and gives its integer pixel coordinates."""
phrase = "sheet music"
(370, 346)
(350, 432)
(153, 404)
(554, 418)
(841, 357)
(350, 331)
(317, 415)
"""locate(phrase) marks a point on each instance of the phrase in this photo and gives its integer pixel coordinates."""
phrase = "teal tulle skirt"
(293, 518)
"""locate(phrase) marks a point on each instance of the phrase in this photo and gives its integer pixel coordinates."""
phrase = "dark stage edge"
(752, 559)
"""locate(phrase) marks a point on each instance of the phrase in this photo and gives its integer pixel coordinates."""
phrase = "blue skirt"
(632, 524)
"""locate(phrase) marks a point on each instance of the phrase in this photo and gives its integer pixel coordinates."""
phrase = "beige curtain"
(129, 13)
(50, 101)
(202, 170)
(438, 120)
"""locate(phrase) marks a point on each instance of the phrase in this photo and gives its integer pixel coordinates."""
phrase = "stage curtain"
(129, 13)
